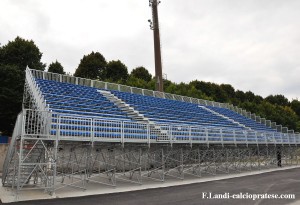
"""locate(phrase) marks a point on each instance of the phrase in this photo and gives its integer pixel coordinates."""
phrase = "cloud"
(252, 45)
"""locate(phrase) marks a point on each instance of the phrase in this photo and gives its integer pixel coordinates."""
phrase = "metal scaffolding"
(52, 164)
(51, 151)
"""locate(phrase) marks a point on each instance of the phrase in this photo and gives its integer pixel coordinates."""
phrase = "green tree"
(56, 67)
(21, 53)
(137, 82)
(295, 104)
(278, 100)
(11, 93)
(141, 73)
(92, 66)
(229, 90)
(116, 71)
(14, 57)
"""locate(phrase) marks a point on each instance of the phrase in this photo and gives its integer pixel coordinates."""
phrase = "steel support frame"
(52, 165)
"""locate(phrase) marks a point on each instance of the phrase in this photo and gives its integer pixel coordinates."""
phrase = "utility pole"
(154, 25)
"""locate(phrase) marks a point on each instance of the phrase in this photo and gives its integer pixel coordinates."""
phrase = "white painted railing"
(83, 128)
(11, 149)
(35, 91)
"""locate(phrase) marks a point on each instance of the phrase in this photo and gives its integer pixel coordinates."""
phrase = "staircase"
(223, 116)
(16, 172)
(27, 167)
(156, 130)
(9, 164)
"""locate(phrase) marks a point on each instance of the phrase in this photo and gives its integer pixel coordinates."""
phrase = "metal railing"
(11, 149)
(71, 127)
(35, 91)
(123, 88)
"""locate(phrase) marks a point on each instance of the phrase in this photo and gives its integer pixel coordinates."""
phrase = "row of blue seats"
(83, 100)
(94, 91)
(242, 119)
(79, 100)
(170, 111)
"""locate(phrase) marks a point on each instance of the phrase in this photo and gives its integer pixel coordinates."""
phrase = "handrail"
(86, 126)
(133, 90)
(10, 152)
(36, 92)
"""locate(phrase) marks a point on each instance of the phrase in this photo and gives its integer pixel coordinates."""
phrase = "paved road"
(278, 182)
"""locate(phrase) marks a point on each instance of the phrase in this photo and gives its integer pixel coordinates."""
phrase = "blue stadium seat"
(86, 101)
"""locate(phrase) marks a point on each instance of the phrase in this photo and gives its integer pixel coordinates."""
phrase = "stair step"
(134, 114)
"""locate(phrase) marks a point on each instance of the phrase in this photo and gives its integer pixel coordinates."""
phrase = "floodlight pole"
(154, 25)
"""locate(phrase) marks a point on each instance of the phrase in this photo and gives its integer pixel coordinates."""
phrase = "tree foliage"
(21, 53)
(116, 71)
(14, 57)
(141, 73)
(92, 66)
(295, 105)
(56, 67)
(278, 100)
(11, 94)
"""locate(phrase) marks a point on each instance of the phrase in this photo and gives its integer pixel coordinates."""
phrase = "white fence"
(59, 126)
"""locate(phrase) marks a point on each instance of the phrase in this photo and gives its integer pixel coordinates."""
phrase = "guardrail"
(71, 127)
(35, 91)
(123, 88)
(10, 152)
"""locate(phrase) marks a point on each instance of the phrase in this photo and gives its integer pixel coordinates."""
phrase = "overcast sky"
(251, 44)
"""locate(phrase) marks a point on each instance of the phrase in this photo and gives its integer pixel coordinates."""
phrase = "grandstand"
(73, 130)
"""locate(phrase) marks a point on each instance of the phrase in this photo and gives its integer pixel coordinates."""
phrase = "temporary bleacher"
(189, 119)
(83, 100)
(172, 111)
(79, 100)
(75, 130)
(242, 119)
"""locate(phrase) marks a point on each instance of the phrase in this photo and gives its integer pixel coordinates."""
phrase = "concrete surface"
(273, 181)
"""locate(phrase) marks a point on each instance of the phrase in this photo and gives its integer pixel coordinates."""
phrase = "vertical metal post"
(92, 131)
(199, 161)
(122, 134)
(171, 134)
(181, 164)
(163, 164)
(190, 136)
(19, 167)
(148, 135)
(234, 137)
(258, 158)
(206, 135)
(221, 133)
(55, 163)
